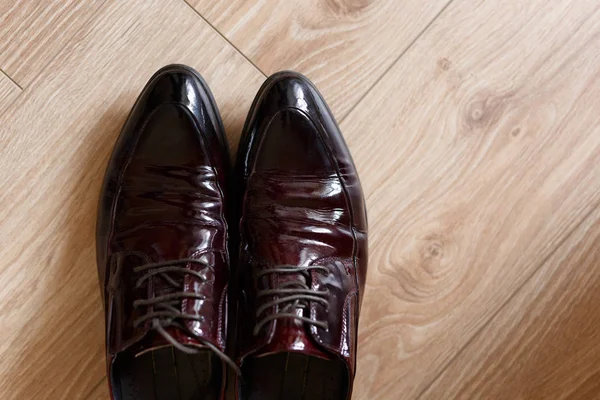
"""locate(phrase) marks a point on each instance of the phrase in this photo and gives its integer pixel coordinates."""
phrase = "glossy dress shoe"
(303, 248)
(162, 244)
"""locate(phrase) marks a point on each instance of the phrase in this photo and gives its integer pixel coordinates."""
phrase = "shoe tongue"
(291, 336)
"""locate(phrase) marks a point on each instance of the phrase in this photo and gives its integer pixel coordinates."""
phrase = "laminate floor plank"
(479, 152)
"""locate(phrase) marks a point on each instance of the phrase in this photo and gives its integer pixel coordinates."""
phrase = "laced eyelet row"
(290, 296)
(166, 309)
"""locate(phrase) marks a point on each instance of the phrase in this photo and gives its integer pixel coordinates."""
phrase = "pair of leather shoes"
(273, 252)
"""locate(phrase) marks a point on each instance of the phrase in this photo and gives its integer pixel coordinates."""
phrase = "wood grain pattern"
(56, 139)
(8, 92)
(344, 46)
(545, 343)
(32, 33)
(479, 152)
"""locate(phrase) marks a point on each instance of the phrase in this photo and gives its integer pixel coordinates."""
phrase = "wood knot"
(432, 252)
(422, 269)
(444, 64)
(476, 111)
(433, 247)
(484, 111)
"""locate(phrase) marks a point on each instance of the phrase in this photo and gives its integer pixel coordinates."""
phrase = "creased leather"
(300, 203)
(164, 199)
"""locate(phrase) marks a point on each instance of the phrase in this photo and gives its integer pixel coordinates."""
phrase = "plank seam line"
(11, 79)
(225, 38)
(393, 63)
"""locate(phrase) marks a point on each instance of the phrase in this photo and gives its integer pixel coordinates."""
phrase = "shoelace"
(291, 295)
(167, 308)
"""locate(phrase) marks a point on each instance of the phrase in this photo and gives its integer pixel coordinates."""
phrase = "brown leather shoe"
(162, 244)
(303, 250)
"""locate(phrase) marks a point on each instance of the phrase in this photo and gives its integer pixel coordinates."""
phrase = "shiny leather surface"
(300, 203)
(163, 199)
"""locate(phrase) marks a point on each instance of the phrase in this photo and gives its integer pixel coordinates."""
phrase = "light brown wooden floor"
(475, 126)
